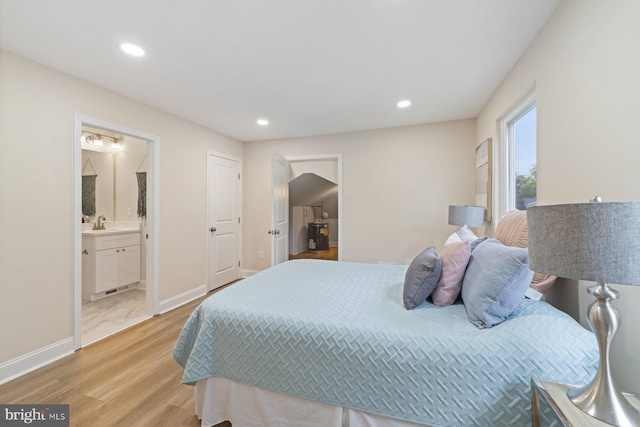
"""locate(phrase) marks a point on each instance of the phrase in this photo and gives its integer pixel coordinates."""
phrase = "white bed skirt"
(219, 399)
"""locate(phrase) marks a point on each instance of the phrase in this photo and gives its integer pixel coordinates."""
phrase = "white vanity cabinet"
(110, 261)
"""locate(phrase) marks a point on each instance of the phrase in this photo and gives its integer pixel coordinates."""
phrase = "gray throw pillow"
(475, 243)
(421, 277)
(495, 282)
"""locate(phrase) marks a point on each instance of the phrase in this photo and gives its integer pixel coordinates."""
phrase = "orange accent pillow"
(512, 231)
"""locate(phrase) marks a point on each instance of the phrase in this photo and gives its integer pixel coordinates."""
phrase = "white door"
(223, 199)
(280, 209)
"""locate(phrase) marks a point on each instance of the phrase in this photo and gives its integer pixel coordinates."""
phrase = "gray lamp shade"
(472, 216)
(599, 242)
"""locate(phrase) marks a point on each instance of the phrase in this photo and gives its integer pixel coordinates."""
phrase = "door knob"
(212, 229)
(270, 232)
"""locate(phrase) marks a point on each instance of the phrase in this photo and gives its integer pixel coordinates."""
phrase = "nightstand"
(552, 407)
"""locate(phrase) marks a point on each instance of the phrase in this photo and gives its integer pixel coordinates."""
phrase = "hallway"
(331, 254)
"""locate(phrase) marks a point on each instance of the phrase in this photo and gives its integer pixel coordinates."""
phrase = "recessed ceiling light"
(262, 122)
(132, 49)
(403, 104)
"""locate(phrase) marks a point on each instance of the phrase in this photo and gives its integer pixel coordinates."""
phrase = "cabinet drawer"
(117, 241)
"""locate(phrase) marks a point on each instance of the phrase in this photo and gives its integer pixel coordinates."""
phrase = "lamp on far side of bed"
(472, 216)
(598, 242)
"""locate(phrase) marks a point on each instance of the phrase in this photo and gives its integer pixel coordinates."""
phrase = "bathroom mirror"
(103, 165)
(116, 184)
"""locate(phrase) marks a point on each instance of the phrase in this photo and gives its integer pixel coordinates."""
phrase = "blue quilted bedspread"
(338, 333)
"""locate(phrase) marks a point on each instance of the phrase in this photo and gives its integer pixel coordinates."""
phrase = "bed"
(324, 343)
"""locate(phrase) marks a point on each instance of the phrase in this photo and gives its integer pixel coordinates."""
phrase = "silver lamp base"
(601, 398)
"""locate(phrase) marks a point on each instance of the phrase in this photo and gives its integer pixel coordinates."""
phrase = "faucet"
(99, 225)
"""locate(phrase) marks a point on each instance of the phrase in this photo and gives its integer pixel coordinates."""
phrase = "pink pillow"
(455, 257)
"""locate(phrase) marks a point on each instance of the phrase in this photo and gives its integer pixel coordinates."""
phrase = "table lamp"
(599, 242)
(472, 216)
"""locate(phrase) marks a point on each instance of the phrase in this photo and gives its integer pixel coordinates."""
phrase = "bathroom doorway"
(116, 216)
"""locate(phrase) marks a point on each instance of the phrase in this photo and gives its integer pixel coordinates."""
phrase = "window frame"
(506, 185)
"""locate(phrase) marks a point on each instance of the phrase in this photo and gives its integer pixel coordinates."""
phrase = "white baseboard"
(299, 250)
(249, 273)
(182, 299)
(26, 363)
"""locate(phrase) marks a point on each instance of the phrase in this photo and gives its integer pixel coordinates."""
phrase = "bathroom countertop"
(109, 231)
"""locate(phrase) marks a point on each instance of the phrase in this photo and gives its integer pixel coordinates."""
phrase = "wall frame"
(483, 177)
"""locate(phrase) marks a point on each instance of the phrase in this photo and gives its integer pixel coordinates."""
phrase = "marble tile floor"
(112, 314)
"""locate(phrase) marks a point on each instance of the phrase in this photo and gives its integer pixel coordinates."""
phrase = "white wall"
(37, 109)
(298, 232)
(397, 184)
(333, 231)
(585, 65)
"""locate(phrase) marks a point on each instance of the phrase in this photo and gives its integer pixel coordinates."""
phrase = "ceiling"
(310, 189)
(310, 67)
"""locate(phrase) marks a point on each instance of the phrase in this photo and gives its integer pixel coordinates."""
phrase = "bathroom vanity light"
(97, 140)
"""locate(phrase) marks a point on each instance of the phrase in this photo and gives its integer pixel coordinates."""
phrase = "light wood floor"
(127, 379)
(331, 254)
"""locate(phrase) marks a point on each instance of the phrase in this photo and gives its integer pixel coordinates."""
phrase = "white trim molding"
(26, 363)
(503, 183)
(249, 273)
(182, 299)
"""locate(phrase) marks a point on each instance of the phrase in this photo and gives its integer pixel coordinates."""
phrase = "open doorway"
(314, 207)
(115, 228)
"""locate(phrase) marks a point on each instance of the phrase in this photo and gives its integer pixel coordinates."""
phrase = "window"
(519, 141)
(522, 132)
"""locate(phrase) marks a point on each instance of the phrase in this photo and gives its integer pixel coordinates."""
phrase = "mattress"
(337, 333)
(219, 399)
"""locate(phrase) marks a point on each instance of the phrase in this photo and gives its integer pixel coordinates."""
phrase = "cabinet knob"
(124, 249)
(86, 252)
(117, 250)
(213, 229)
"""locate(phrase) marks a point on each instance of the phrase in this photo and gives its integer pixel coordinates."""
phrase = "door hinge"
(238, 176)
(238, 220)
(238, 263)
